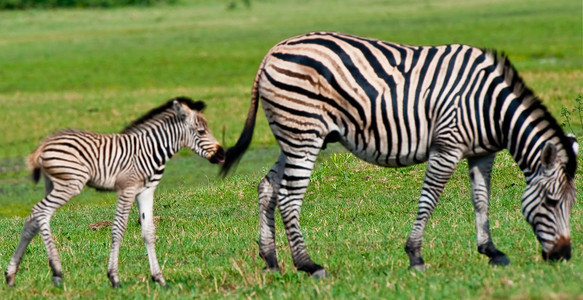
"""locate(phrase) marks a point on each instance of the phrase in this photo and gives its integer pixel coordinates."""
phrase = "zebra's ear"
(573, 140)
(179, 109)
(549, 155)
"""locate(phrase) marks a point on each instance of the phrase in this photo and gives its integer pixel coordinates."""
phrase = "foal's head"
(198, 136)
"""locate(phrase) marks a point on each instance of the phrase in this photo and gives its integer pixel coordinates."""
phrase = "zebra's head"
(548, 199)
(198, 136)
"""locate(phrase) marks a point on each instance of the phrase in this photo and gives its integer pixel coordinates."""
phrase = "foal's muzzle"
(218, 157)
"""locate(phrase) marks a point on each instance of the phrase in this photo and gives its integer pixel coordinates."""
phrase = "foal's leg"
(480, 170)
(30, 230)
(57, 194)
(28, 233)
(124, 204)
(145, 205)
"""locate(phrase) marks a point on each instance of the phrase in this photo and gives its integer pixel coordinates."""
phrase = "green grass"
(100, 69)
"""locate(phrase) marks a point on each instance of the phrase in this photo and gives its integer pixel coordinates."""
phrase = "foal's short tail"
(32, 163)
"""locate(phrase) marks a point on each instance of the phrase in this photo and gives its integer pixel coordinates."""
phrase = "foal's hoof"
(319, 274)
(10, 279)
(420, 268)
(500, 260)
(115, 285)
(159, 279)
(58, 281)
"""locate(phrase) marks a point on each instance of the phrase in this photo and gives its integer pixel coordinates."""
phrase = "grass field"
(101, 69)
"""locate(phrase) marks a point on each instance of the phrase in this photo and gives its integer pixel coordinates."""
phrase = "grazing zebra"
(130, 163)
(396, 105)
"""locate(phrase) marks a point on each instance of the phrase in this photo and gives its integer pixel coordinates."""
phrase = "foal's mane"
(198, 106)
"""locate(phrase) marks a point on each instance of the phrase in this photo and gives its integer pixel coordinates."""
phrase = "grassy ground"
(100, 69)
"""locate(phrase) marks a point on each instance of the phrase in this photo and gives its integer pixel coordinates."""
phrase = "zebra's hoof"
(58, 281)
(500, 260)
(115, 285)
(420, 268)
(320, 274)
(10, 279)
(159, 279)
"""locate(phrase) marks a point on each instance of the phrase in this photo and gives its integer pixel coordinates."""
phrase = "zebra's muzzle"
(561, 250)
(218, 157)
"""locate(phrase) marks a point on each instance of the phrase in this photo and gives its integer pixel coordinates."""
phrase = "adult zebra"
(397, 105)
(130, 163)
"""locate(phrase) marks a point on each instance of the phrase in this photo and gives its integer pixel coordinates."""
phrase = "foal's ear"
(198, 105)
(573, 140)
(549, 156)
(179, 110)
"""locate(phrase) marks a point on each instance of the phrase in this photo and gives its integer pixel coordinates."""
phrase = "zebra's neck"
(162, 141)
(526, 126)
(524, 123)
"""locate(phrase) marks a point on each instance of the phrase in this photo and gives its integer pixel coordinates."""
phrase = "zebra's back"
(88, 157)
(387, 103)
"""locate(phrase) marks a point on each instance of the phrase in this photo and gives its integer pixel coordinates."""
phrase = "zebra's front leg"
(145, 205)
(296, 176)
(440, 166)
(124, 204)
(480, 169)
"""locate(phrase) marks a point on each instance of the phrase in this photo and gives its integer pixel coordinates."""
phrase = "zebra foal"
(130, 163)
(397, 105)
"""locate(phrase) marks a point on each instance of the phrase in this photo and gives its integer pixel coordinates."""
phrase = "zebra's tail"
(32, 163)
(234, 154)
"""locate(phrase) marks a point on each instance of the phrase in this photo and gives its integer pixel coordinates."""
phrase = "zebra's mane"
(513, 79)
(198, 106)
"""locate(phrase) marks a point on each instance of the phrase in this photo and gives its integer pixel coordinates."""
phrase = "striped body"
(104, 161)
(396, 105)
(130, 163)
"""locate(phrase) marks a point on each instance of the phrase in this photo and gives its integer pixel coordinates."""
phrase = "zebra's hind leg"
(292, 187)
(267, 192)
(440, 166)
(59, 193)
(480, 169)
(30, 231)
(145, 205)
(124, 204)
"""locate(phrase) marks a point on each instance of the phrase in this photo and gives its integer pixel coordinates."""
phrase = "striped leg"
(124, 204)
(480, 169)
(296, 176)
(30, 230)
(440, 166)
(145, 205)
(267, 191)
(60, 194)
(41, 213)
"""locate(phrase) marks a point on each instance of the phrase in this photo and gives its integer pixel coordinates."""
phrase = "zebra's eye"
(201, 132)
(551, 202)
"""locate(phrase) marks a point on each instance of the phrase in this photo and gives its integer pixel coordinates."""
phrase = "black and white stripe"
(130, 163)
(396, 105)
